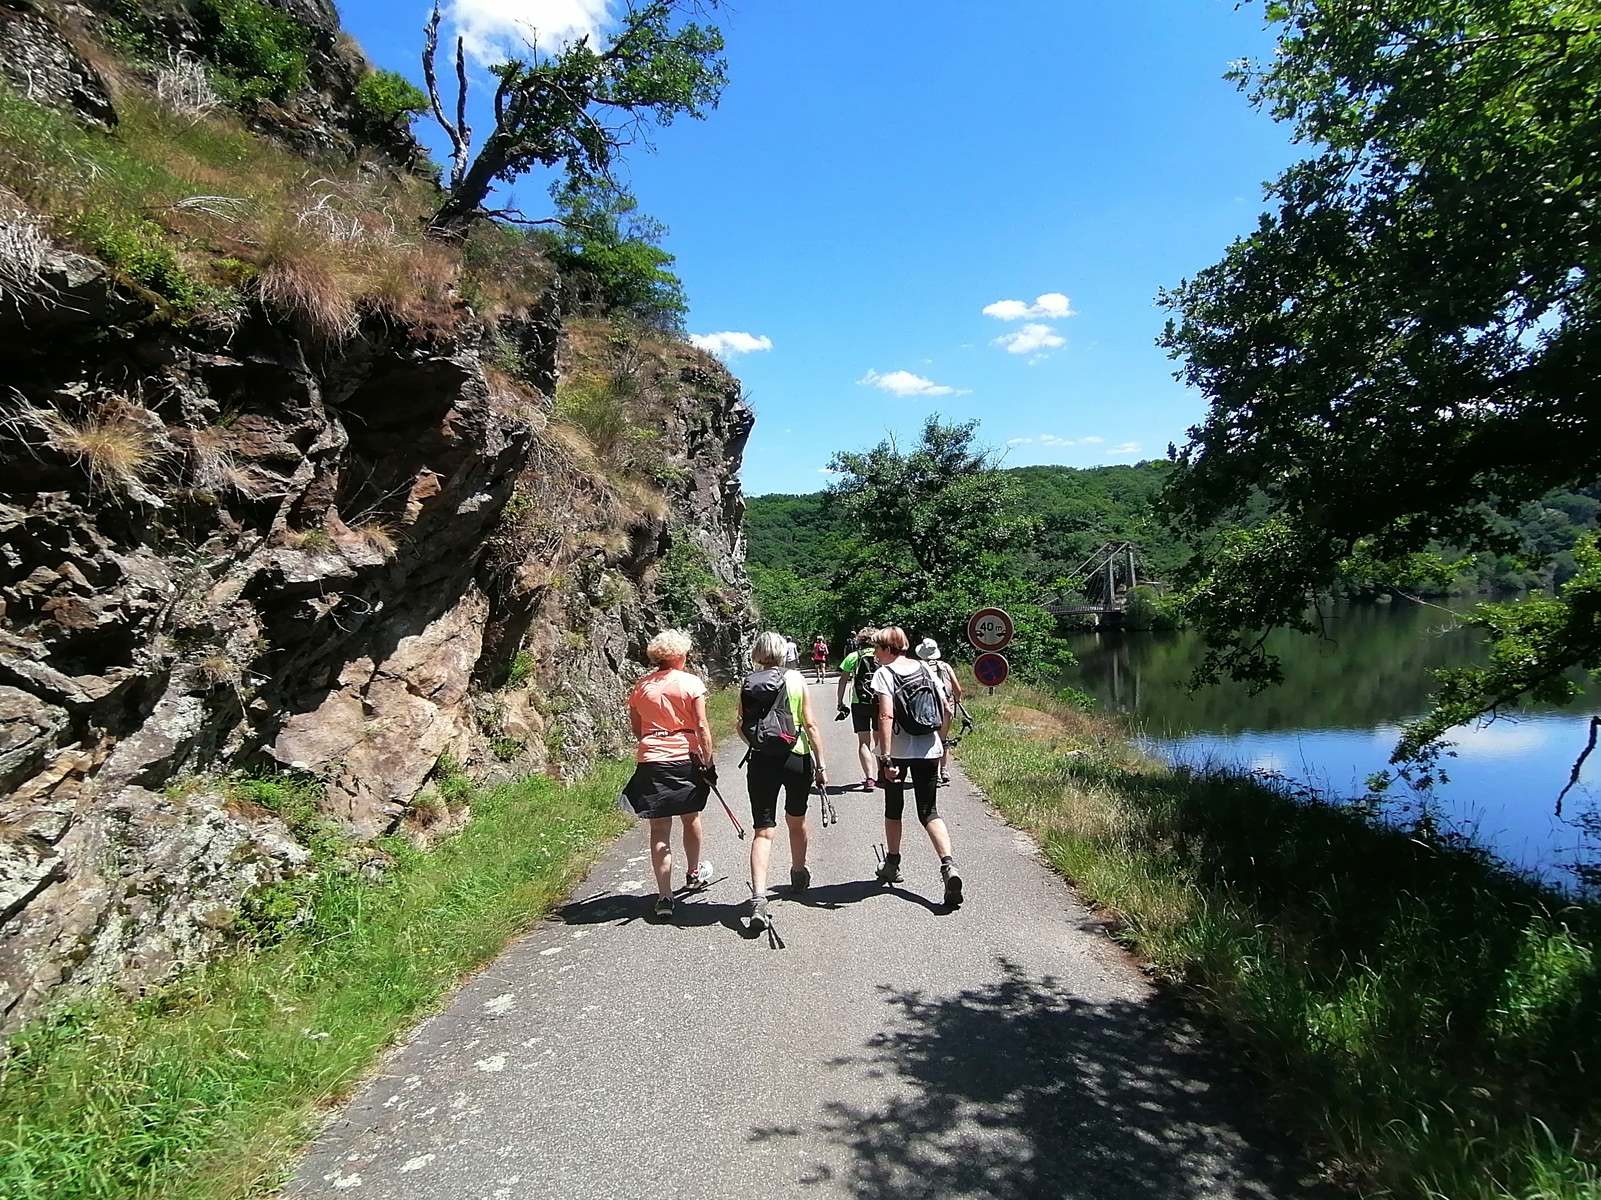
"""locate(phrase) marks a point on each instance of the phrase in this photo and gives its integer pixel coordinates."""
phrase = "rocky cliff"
(238, 544)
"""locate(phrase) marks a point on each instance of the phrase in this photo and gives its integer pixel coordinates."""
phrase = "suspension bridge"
(1096, 591)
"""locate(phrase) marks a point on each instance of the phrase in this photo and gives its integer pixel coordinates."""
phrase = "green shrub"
(683, 581)
(260, 50)
(139, 251)
(387, 96)
(506, 748)
(521, 669)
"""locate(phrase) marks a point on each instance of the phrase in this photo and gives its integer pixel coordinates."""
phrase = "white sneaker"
(700, 878)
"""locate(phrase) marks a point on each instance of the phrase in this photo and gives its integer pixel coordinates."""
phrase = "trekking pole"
(829, 813)
(738, 828)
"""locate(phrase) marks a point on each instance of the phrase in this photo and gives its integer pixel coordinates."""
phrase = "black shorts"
(765, 777)
(862, 717)
(924, 774)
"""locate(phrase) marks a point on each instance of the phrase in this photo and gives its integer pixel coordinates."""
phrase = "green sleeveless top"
(795, 684)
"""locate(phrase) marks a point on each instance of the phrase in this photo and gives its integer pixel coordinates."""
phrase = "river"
(1334, 721)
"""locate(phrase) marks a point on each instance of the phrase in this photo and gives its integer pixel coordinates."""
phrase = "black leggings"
(925, 788)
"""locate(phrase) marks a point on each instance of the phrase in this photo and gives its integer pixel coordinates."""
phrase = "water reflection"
(1335, 719)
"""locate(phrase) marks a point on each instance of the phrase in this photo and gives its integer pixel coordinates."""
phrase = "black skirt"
(666, 789)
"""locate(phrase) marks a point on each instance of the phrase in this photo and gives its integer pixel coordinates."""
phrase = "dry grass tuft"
(379, 534)
(119, 450)
(23, 248)
(416, 285)
(304, 275)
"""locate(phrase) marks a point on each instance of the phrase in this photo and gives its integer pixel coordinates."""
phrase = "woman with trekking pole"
(673, 772)
(785, 754)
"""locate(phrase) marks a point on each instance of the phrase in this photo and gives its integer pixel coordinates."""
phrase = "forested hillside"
(794, 541)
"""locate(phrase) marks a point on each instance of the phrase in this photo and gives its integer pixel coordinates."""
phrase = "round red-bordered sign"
(991, 670)
(990, 630)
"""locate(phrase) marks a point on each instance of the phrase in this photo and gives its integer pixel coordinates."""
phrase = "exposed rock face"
(44, 66)
(228, 548)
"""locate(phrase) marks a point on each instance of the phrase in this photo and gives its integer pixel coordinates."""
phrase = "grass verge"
(208, 1088)
(1431, 1022)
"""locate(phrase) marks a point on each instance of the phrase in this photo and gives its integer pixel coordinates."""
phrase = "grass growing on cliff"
(1432, 1021)
(207, 1089)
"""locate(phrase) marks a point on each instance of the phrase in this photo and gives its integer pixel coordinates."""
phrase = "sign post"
(989, 631)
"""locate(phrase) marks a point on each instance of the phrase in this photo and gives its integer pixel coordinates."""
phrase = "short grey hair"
(670, 645)
(770, 649)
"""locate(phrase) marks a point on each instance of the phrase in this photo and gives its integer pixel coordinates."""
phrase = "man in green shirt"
(856, 700)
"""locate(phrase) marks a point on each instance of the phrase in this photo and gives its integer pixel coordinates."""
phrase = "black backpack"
(918, 707)
(862, 680)
(766, 719)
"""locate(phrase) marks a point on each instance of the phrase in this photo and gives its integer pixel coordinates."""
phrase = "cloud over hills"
(730, 342)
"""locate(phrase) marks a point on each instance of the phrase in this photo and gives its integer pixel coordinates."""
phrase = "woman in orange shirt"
(672, 775)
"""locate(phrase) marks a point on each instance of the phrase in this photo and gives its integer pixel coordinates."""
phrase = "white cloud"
(497, 29)
(730, 342)
(1030, 339)
(1053, 440)
(1122, 449)
(1051, 306)
(904, 383)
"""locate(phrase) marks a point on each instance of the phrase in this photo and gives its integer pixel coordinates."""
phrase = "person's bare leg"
(940, 836)
(761, 846)
(661, 854)
(864, 754)
(692, 838)
(797, 841)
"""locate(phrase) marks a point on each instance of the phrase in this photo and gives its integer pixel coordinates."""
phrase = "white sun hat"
(928, 648)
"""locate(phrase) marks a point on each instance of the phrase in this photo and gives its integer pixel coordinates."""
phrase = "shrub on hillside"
(387, 96)
(260, 50)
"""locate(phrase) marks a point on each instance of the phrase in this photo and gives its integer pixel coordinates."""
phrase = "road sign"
(991, 670)
(989, 630)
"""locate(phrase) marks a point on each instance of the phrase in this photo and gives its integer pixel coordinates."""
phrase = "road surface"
(891, 1050)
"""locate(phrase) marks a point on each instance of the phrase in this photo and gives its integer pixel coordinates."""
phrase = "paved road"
(891, 1050)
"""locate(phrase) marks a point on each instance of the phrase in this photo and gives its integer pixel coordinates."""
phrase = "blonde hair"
(891, 637)
(865, 635)
(770, 650)
(668, 646)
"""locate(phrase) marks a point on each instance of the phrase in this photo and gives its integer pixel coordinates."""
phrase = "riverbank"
(207, 1089)
(1429, 1022)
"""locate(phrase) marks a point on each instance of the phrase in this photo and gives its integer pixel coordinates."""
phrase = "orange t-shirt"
(663, 704)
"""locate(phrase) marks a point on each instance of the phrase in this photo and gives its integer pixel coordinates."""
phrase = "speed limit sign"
(989, 630)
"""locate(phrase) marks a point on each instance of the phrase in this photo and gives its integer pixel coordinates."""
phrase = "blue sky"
(880, 174)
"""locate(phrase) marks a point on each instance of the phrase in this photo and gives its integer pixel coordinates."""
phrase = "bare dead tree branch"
(461, 93)
(458, 135)
(1578, 766)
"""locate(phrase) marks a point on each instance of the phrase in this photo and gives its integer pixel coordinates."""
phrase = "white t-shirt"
(907, 745)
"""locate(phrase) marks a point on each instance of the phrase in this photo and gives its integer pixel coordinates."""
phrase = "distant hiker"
(791, 653)
(775, 721)
(911, 712)
(820, 657)
(945, 676)
(674, 770)
(856, 678)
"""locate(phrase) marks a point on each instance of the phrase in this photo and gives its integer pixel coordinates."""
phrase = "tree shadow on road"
(1021, 1089)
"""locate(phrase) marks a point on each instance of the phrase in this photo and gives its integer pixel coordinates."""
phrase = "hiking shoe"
(867, 785)
(953, 885)
(758, 913)
(945, 781)
(889, 871)
(699, 879)
(800, 879)
(664, 908)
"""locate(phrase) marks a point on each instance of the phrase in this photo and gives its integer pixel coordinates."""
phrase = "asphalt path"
(891, 1049)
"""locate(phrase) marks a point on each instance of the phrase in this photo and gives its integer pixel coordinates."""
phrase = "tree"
(1408, 347)
(579, 107)
(611, 257)
(937, 534)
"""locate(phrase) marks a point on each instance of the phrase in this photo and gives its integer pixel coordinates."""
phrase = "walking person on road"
(820, 657)
(911, 712)
(786, 754)
(945, 676)
(674, 771)
(856, 701)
